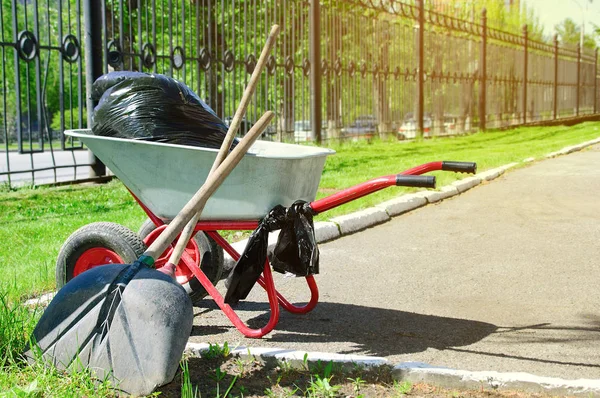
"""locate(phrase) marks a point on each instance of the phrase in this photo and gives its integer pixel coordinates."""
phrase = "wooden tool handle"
(248, 93)
(188, 231)
(211, 184)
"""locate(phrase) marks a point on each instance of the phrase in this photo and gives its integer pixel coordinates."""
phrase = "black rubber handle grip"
(460, 167)
(403, 180)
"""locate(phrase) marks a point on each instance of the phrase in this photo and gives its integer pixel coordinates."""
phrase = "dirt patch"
(236, 377)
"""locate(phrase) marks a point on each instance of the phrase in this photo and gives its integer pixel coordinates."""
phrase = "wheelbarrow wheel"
(96, 244)
(204, 250)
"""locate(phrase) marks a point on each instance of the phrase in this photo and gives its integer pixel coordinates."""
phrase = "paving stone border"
(295, 358)
(490, 380)
(416, 372)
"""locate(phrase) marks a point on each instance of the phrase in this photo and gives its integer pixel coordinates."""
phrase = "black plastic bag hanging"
(296, 250)
(154, 107)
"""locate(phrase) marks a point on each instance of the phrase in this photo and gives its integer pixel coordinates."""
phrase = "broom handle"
(248, 93)
(188, 231)
(211, 184)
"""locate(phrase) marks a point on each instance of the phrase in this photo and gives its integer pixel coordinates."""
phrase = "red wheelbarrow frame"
(266, 280)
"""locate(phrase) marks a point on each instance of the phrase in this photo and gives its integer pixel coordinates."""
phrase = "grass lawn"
(35, 223)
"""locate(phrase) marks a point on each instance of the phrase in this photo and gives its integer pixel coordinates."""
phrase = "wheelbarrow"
(163, 177)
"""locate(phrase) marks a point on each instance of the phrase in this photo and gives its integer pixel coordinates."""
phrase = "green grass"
(17, 379)
(35, 222)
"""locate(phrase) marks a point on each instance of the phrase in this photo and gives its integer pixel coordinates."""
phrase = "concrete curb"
(451, 378)
(293, 357)
(326, 231)
(436, 196)
(360, 220)
(402, 204)
(415, 372)
(466, 183)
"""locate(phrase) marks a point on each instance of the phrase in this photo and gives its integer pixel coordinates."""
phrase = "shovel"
(132, 336)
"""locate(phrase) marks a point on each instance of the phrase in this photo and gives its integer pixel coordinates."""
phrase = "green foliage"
(47, 92)
(71, 120)
(322, 388)
(16, 324)
(216, 351)
(305, 361)
(357, 383)
(403, 388)
(569, 33)
(219, 376)
(187, 389)
(324, 371)
(18, 378)
(509, 19)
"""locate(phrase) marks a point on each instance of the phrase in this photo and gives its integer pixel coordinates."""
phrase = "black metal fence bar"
(340, 70)
(42, 87)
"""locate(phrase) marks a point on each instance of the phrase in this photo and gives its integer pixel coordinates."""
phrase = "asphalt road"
(19, 162)
(504, 277)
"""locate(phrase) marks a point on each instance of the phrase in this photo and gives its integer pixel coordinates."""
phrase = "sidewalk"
(503, 277)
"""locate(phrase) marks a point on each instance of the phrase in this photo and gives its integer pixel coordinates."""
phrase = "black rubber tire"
(115, 237)
(211, 261)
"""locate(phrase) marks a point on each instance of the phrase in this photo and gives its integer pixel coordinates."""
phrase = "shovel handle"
(248, 93)
(188, 231)
(214, 180)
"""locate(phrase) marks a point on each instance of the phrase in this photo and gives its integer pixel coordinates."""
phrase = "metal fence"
(340, 70)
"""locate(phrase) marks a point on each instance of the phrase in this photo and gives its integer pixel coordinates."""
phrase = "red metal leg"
(294, 309)
(226, 308)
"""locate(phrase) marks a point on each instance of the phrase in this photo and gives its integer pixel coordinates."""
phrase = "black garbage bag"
(296, 250)
(154, 107)
(108, 80)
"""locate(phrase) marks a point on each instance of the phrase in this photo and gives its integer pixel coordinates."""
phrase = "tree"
(570, 33)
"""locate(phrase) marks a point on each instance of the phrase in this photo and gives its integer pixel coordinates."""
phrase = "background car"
(408, 128)
(302, 130)
(362, 125)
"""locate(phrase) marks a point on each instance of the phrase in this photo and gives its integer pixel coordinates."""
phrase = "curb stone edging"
(451, 378)
(415, 372)
(41, 301)
(491, 174)
(465, 184)
(436, 196)
(360, 220)
(509, 166)
(403, 204)
(326, 231)
(294, 357)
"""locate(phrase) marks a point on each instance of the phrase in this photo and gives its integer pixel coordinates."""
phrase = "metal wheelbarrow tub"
(165, 176)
